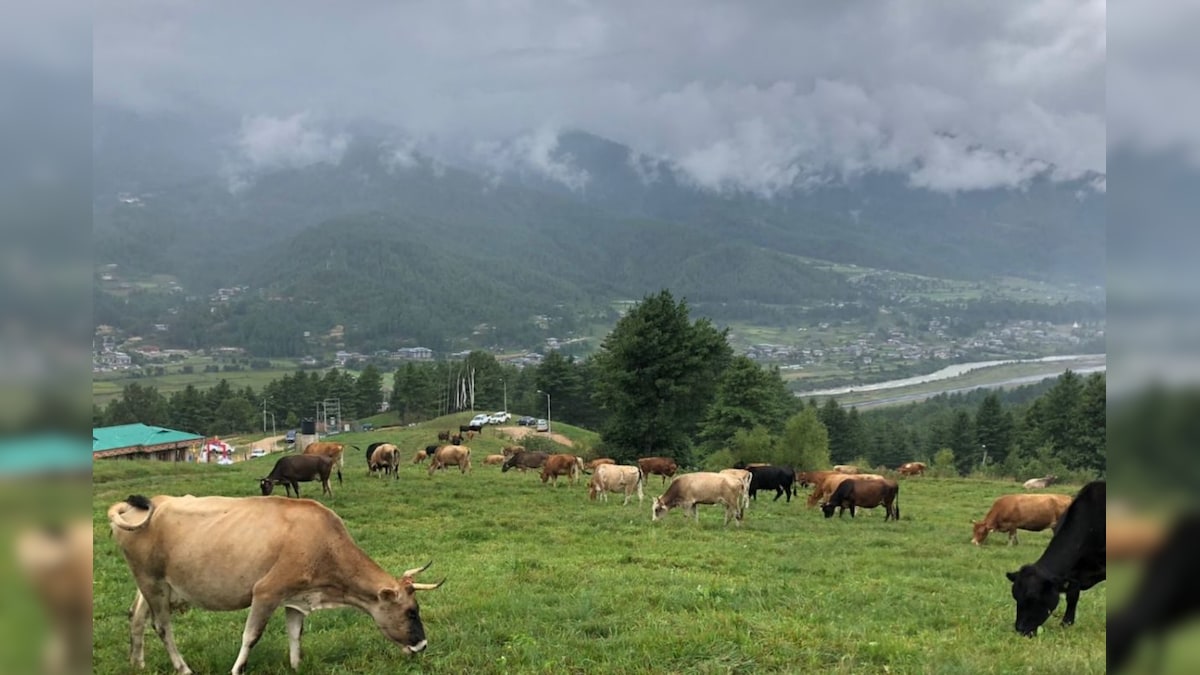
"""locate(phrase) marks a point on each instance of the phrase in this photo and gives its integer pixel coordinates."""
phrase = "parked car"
(290, 437)
(500, 417)
(258, 452)
(224, 461)
(368, 426)
(542, 425)
(479, 420)
(526, 421)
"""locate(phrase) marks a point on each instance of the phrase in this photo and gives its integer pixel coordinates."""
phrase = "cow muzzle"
(417, 648)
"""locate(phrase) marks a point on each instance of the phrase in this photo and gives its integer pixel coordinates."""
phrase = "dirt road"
(517, 433)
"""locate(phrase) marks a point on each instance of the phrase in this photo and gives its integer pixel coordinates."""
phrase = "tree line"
(665, 384)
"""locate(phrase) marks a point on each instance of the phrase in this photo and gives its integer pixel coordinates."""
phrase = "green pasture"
(107, 386)
(540, 580)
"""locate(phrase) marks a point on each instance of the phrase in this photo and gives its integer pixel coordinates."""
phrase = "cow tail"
(116, 513)
(897, 503)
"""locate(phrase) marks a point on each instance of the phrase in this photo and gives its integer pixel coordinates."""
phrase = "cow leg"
(295, 628)
(778, 493)
(260, 613)
(296, 487)
(1012, 538)
(159, 602)
(138, 614)
(1072, 600)
(851, 510)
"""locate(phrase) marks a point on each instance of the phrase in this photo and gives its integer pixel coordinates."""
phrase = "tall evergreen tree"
(994, 428)
(369, 391)
(834, 417)
(967, 453)
(747, 396)
(656, 375)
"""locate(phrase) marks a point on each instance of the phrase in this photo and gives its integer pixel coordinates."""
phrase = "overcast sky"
(756, 95)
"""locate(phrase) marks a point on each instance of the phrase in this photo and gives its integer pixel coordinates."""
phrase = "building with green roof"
(142, 441)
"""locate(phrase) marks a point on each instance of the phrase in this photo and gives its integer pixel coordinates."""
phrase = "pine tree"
(747, 396)
(967, 454)
(993, 428)
(368, 391)
(834, 417)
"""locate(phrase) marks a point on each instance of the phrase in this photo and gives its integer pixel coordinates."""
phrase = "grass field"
(108, 386)
(540, 580)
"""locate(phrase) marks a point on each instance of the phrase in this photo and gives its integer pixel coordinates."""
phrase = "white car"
(258, 452)
(479, 420)
(542, 425)
(499, 418)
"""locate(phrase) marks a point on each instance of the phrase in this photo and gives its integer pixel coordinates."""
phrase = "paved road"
(922, 395)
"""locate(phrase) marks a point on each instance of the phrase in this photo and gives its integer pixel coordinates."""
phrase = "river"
(1088, 363)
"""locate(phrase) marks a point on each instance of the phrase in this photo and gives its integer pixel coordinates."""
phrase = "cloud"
(535, 153)
(293, 142)
(756, 96)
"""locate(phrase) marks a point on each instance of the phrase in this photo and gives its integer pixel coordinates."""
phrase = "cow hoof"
(1067, 623)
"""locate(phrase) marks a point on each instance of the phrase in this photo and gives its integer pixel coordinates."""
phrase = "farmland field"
(540, 580)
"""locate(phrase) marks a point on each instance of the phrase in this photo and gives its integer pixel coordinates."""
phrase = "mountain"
(426, 250)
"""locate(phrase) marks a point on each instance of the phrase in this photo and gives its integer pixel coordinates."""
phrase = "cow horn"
(417, 570)
(427, 587)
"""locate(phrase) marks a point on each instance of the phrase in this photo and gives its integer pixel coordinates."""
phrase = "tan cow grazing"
(57, 563)
(493, 459)
(824, 490)
(845, 468)
(810, 478)
(1025, 512)
(912, 469)
(701, 487)
(331, 450)
(562, 464)
(591, 466)
(663, 466)
(298, 555)
(616, 478)
(1129, 538)
(451, 455)
(386, 458)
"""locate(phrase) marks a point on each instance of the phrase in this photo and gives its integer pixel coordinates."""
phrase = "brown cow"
(508, 450)
(456, 439)
(591, 466)
(562, 464)
(199, 550)
(331, 450)
(845, 468)
(702, 487)
(1128, 538)
(444, 435)
(616, 478)
(524, 459)
(865, 494)
(471, 435)
(808, 478)
(746, 477)
(421, 455)
(57, 563)
(493, 459)
(1026, 512)
(451, 455)
(824, 490)
(386, 458)
(663, 466)
(912, 469)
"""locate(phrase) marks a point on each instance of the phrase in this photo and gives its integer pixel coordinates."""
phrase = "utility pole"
(505, 385)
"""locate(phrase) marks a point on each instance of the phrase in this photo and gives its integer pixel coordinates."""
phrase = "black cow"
(777, 478)
(292, 470)
(1169, 594)
(1072, 562)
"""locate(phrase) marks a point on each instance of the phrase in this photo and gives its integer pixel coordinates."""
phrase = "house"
(142, 441)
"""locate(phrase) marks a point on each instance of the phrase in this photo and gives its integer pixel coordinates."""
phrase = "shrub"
(943, 464)
(721, 459)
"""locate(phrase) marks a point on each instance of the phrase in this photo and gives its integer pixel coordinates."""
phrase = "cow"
(1072, 562)
(524, 459)
(386, 458)
(591, 466)
(663, 466)
(744, 476)
(845, 468)
(331, 450)
(291, 470)
(421, 455)
(508, 450)
(616, 478)
(456, 439)
(298, 555)
(777, 478)
(493, 459)
(1166, 596)
(471, 435)
(912, 469)
(865, 494)
(808, 478)
(1127, 538)
(57, 563)
(702, 487)
(444, 436)
(371, 450)
(1010, 513)
(562, 464)
(1040, 483)
(451, 455)
(824, 490)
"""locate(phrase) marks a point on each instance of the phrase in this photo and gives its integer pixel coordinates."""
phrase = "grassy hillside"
(540, 580)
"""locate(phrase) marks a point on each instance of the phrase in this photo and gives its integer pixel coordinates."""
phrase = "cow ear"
(1012, 576)
(388, 594)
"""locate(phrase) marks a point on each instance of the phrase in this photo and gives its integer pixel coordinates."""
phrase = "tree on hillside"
(566, 380)
(656, 375)
(415, 392)
(368, 391)
(1093, 416)
(994, 428)
(754, 445)
(747, 396)
(138, 404)
(834, 417)
(806, 441)
(967, 453)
